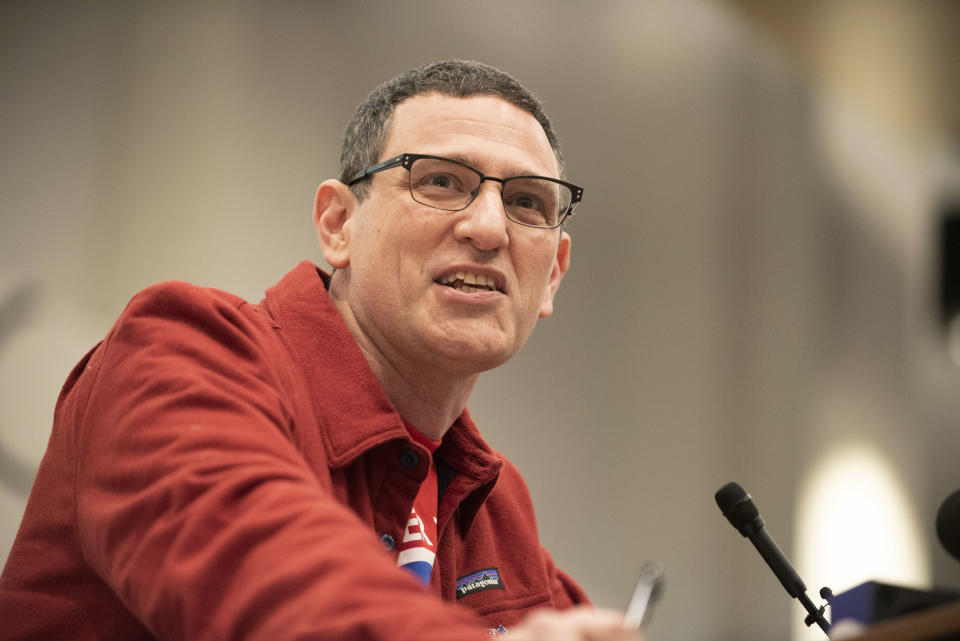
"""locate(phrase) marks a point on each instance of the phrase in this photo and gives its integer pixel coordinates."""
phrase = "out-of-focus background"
(755, 292)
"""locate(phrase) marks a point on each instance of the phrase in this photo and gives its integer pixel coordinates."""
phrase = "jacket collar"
(466, 452)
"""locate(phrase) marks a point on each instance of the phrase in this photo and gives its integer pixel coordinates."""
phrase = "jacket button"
(387, 541)
(409, 459)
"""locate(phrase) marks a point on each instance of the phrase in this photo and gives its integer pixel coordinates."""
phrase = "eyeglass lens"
(448, 185)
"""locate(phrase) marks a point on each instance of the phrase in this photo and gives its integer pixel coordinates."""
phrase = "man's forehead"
(475, 129)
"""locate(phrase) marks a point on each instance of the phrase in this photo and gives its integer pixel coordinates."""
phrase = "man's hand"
(576, 624)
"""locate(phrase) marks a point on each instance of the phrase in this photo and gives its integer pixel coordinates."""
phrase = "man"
(221, 470)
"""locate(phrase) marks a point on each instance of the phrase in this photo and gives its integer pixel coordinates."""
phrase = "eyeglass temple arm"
(389, 163)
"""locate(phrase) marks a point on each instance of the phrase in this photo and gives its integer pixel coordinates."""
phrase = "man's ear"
(561, 264)
(332, 211)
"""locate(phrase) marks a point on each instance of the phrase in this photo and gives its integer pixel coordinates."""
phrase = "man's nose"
(484, 222)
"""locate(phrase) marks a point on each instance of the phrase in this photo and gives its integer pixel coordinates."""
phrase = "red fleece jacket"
(223, 470)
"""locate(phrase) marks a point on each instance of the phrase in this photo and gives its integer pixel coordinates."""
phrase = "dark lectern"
(937, 624)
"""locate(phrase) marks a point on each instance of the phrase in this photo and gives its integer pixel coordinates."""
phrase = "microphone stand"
(814, 614)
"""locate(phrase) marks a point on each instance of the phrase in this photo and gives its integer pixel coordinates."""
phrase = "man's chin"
(472, 356)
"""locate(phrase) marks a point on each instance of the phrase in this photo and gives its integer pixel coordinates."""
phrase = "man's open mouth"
(469, 282)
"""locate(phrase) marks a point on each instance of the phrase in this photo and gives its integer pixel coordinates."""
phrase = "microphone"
(948, 524)
(740, 510)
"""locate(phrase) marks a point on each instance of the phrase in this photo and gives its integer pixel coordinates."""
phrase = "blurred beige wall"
(753, 252)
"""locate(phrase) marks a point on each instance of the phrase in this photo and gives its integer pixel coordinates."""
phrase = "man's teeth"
(469, 282)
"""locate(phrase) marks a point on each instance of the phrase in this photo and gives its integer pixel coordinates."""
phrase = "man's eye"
(526, 201)
(440, 181)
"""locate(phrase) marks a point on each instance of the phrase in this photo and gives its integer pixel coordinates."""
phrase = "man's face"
(403, 255)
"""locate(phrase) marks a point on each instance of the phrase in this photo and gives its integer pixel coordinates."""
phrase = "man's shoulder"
(511, 485)
(179, 315)
(174, 295)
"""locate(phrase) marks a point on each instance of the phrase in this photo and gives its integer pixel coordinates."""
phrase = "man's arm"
(195, 506)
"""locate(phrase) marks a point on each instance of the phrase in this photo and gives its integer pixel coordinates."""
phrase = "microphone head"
(739, 508)
(948, 524)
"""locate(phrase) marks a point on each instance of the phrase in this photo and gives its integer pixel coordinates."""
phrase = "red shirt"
(224, 470)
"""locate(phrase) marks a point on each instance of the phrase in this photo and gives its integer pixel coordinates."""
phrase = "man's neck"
(430, 403)
(428, 397)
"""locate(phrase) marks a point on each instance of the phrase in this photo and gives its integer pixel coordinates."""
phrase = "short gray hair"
(367, 132)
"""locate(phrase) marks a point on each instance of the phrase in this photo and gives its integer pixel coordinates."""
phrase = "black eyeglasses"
(442, 183)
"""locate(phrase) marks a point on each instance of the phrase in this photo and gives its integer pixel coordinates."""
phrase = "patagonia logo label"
(486, 579)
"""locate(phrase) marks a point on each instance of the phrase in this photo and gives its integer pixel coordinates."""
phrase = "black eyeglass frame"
(406, 161)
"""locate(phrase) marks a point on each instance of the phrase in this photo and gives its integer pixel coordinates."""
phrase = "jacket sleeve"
(196, 508)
